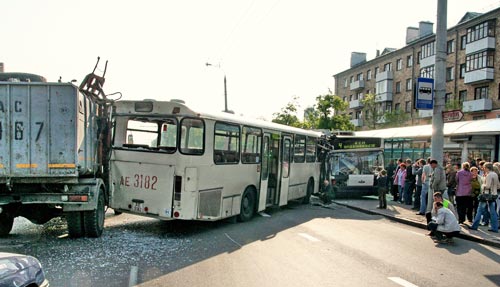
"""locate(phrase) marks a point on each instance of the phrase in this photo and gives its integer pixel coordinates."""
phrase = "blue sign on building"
(424, 94)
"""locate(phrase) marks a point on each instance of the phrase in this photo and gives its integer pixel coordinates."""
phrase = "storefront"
(463, 141)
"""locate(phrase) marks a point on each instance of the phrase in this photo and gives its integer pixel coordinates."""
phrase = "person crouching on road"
(382, 189)
(327, 194)
(447, 225)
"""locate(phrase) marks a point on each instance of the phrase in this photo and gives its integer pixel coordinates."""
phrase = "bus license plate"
(138, 207)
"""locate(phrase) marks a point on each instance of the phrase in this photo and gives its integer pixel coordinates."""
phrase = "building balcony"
(383, 97)
(357, 122)
(385, 75)
(480, 45)
(477, 76)
(425, 113)
(356, 104)
(427, 61)
(356, 85)
(480, 105)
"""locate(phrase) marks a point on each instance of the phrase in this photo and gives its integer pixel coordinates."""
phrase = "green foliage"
(370, 109)
(395, 118)
(453, 105)
(288, 114)
(325, 114)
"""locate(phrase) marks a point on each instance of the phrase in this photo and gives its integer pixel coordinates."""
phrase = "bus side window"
(226, 143)
(192, 136)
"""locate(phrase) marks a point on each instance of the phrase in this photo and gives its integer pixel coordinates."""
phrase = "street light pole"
(225, 86)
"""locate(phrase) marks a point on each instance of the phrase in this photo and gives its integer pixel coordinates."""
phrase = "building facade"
(472, 73)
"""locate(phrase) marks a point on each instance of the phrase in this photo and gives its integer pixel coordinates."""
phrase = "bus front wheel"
(247, 209)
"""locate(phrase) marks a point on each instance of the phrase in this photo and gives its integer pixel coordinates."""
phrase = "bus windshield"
(356, 162)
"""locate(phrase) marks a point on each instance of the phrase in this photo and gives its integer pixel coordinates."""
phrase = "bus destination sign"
(356, 143)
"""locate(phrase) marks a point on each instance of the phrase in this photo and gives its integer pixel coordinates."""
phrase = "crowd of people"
(458, 194)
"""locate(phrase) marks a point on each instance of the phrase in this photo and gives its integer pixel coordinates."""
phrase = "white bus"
(169, 162)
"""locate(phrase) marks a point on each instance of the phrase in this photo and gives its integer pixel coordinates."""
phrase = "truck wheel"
(247, 209)
(94, 219)
(6, 222)
(75, 224)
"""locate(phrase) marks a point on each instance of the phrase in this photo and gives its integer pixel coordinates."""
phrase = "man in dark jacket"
(409, 183)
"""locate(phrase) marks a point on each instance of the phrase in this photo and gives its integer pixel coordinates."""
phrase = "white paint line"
(401, 282)
(417, 233)
(232, 240)
(132, 280)
(309, 237)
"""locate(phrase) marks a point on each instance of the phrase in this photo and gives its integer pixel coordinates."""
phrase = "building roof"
(469, 16)
(478, 127)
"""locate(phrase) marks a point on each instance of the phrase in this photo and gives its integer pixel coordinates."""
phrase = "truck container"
(51, 156)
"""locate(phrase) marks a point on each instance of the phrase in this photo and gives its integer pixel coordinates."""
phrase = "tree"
(371, 111)
(288, 114)
(311, 118)
(395, 118)
(329, 108)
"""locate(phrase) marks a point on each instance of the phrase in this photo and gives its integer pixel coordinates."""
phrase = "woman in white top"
(489, 186)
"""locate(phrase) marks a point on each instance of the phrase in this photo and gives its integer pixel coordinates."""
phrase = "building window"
(428, 50)
(479, 60)
(409, 84)
(427, 72)
(388, 106)
(463, 42)
(344, 99)
(481, 93)
(408, 106)
(368, 75)
(450, 74)
(359, 96)
(388, 67)
(450, 46)
(448, 97)
(359, 77)
(351, 79)
(462, 96)
(345, 83)
(350, 98)
(367, 92)
(399, 64)
(409, 61)
(382, 87)
(398, 87)
(376, 71)
(358, 115)
(397, 106)
(480, 31)
(462, 71)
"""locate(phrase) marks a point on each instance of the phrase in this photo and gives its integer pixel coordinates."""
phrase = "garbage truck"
(54, 140)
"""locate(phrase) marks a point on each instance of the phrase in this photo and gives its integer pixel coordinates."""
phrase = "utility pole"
(437, 141)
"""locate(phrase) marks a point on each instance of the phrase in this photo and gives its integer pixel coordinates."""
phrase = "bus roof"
(151, 107)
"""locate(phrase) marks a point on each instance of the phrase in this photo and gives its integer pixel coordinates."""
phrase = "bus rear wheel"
(247, 209)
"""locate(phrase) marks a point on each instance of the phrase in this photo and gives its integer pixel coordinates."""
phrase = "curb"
(420, 225)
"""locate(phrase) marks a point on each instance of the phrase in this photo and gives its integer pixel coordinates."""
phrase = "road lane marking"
(232, 240)
(309, 237)
(401, 282)
(132, 279)
(417, 233)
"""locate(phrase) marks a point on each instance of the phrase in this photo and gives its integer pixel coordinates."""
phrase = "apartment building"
(472, 72)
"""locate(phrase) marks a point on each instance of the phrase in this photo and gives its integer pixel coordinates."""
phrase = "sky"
(269, 50)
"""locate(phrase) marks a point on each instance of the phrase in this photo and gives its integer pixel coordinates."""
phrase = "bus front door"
(286, 148)
(264, 173)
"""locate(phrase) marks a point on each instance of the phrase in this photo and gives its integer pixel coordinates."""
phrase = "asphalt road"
(300, 245)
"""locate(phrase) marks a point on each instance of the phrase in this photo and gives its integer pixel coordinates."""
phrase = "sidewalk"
(404, 214)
